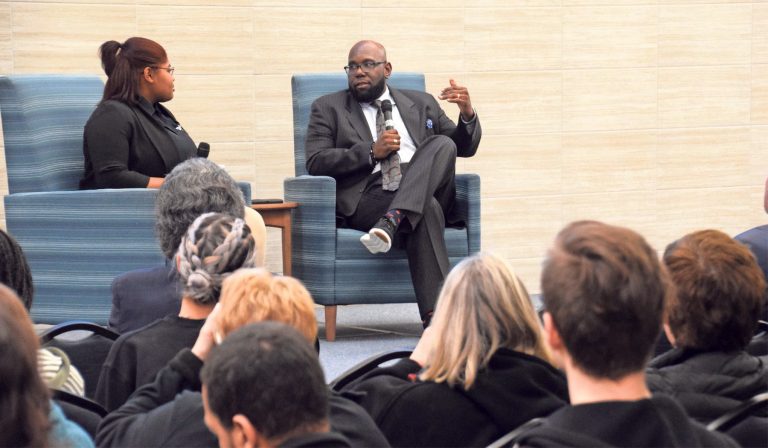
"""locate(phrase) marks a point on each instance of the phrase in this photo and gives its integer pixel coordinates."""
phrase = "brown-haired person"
(710, 319)
(131, 140)
(28, 418)
(603, 289)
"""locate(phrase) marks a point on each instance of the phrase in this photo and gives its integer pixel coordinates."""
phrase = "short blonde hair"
(482, 307)
(255, 295)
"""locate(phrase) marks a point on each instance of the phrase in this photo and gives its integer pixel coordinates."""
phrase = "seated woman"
(131, 140)
(169, 411)
(479, 371)
(215, 246)
(710, 320)
(28, 418)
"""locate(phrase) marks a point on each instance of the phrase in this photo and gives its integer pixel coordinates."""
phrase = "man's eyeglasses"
(367, 66)
(168, 69)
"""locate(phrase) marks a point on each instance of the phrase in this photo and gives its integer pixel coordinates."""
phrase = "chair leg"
(330, 323)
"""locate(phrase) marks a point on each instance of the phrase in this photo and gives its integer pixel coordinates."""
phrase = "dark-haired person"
(28, 418)
(169, 411)
(214, 247)
(54, 365)
(263, 386)
(719, 291)
(131, 140)
(603, 290)
(398, 185)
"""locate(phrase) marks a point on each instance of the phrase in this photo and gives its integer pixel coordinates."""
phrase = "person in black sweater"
(169, 411)
(131, 140)
(711, 317)
(480, 370)
(215, 246)
(603, 290)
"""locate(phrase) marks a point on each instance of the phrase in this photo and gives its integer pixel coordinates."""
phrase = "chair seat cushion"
(354, 265)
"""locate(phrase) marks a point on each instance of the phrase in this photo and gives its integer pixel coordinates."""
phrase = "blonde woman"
(481, 369)
(169, 412)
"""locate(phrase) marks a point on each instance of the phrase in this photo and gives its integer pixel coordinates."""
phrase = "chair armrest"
(75, 325)
(467, 208)
(358, 370)
(313, 233)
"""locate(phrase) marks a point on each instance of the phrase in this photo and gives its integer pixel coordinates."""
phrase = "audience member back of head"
(603, 290)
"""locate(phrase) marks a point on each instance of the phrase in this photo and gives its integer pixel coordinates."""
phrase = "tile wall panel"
(201, 40)
(759, 95)
(65, 38)
(513, 39)
(518, 102)
(296, 40)
(704, 158)
(609, 99)
(704, 96)
(603, 37)
(705, 34)
(595, 162)
(6, 41)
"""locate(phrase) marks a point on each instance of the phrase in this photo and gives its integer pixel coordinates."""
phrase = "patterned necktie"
(390, 167)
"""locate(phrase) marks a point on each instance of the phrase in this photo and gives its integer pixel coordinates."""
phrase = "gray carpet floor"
(366, 330)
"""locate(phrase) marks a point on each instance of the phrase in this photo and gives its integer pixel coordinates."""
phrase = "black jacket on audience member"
(137, 356)
(513, 389)
(142, 296)
(708, 384)
(658, 421)
(169, 412)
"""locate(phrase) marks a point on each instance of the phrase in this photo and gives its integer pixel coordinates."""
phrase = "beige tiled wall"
(647, 113)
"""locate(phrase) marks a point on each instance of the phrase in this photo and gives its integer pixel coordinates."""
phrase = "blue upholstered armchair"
(331, 262)
(76, 242)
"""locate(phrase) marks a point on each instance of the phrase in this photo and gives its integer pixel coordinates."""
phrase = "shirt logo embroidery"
(429, 123)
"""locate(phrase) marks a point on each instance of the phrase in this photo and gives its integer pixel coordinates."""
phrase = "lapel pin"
(429, 123)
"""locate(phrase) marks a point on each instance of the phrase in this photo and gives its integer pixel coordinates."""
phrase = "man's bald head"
(368, 45)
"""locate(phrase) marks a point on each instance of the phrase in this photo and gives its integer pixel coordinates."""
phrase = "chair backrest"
(306, 88)
(43, 118)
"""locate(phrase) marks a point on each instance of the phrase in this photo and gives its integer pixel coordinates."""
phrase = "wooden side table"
(279, 215)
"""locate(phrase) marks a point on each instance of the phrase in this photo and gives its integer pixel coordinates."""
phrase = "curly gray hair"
(194, 187)
(215, 246)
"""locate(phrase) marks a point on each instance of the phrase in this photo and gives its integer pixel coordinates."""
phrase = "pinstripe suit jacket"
(339, 140)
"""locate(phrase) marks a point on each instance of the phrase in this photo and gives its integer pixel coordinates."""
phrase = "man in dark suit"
(395, 179)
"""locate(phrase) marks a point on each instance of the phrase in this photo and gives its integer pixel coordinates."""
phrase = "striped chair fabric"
(76, 242)
(331, 262)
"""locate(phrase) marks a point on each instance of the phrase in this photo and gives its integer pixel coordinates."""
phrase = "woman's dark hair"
(24, 398)
(124, 64)
(14, 270)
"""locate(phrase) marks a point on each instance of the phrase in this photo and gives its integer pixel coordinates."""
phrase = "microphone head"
(203, 149)
(386, 106)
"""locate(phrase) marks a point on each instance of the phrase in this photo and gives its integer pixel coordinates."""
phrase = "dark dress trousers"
(338, 145)
(125, 145)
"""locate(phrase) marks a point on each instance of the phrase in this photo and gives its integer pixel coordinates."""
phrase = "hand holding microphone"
(389, 141)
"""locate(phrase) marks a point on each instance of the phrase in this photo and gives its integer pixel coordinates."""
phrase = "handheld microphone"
(203, 149)
(386, 109)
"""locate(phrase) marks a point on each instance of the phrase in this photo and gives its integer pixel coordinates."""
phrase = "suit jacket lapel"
(155, 136)
(410, 115)
(357, 119)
